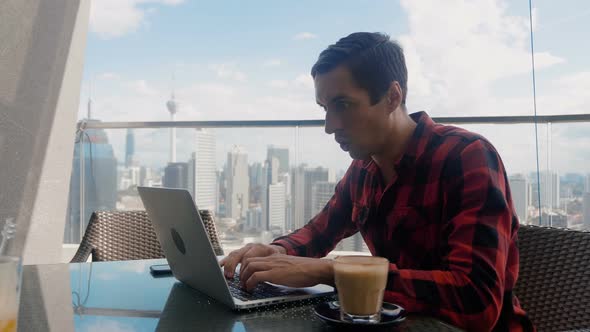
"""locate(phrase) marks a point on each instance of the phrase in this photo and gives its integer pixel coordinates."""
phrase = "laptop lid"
(184, 240)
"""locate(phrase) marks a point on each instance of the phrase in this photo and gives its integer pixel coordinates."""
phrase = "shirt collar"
(416, 145)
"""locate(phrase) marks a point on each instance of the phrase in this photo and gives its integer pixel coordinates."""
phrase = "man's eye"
(343, 105)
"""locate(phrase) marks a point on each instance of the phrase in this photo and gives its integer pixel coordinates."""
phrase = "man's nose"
(333, 123)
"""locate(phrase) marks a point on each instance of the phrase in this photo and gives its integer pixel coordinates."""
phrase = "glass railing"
(283, 172)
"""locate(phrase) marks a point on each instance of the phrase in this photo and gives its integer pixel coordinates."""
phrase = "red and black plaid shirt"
(446, 223)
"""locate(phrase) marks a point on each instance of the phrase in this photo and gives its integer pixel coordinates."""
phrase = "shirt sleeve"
(468, 291)
(327, 228)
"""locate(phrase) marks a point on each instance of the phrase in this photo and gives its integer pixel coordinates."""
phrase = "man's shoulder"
(455, 139)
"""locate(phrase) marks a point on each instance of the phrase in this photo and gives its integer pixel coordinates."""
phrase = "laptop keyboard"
(262, 291)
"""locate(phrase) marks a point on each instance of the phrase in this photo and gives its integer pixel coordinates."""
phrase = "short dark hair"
(373, 59)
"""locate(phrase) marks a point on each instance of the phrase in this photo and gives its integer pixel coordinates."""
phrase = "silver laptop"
(185, 243)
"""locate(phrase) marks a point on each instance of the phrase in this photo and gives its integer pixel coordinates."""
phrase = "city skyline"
(265, 202)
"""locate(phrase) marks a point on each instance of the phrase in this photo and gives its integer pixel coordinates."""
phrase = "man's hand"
(251, 250)
(287, 270)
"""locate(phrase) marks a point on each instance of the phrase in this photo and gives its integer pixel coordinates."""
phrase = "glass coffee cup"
(360, 282)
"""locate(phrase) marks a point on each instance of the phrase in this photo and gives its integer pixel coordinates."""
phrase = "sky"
(237, 60)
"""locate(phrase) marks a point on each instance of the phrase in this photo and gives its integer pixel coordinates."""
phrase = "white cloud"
(568, 94)
(304, 80)
(278, 84)
(453, 69)
(272, 63)
(115, 18)
(228, 71)
(142, 87)
(305, 36)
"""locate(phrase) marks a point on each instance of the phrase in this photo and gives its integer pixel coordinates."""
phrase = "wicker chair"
(554, 278)
(128, 235)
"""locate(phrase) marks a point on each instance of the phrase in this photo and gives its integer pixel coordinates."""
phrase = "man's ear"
(394, 96)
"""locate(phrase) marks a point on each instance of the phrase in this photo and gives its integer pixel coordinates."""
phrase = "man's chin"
(357, 156)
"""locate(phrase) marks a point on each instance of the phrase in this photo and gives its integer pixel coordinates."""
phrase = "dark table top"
(123, 296)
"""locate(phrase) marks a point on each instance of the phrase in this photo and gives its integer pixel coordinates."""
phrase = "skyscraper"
(202, 177)
(285, 178)
(276, 208)
(550, 196)
(520, 190)
(297, 192)
(311, 176)
(586, 210)
(587, 183)
(270, 176)
(256, 174)
(238, 183)
(282, 154)
(130, 148)
(176, 176)
(322, 191)
(99, 177)
(273, 171)
(254, 218)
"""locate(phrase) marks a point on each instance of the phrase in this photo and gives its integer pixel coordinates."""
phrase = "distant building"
(282, 155)
(130, 149)
(297, 197)
(586, 210)
(550, 192)
(238, 181)
(302, 185)
(254, 218)
(176, 175)
(276, 208)
(255, 172)
(321, 193)
(285, 178)
(519, 189)
(128, 177)
(99, 177)
(202, 174)
(270, 176)
(311, 176)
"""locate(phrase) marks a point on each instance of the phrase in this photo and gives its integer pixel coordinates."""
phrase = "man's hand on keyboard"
(251, 250)
(286, 270)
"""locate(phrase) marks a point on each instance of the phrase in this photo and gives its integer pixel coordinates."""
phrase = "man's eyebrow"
(338, 98)
(333, 100)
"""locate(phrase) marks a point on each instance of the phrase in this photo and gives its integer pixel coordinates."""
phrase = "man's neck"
(402, 130)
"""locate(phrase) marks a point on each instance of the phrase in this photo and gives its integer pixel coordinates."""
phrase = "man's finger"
(232, 261)
(258, 277)
(252, 268)
(222, 261)
(245, 259)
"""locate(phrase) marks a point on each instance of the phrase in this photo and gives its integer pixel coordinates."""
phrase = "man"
(432, 199)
